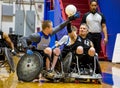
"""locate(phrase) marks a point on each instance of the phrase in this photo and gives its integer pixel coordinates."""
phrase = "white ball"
(70, 10)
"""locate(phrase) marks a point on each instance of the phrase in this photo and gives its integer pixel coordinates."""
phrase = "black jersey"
(77, 43)
(71, 48)
(86, 44)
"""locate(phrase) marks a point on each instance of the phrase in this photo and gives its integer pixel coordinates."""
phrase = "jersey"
(44, 41)
(68, 47)
(94, 21)
(71, 47)
(86, 44)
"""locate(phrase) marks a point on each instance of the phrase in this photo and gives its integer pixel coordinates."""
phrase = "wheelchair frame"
(67, 76)
(7, 59)
(97, 78)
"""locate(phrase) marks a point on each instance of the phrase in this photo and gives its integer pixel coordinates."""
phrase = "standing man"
(97, 24)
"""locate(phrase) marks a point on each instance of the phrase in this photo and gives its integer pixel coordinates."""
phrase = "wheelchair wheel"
(29, 67)
(98, 68)
(10, 59)
(67, 62)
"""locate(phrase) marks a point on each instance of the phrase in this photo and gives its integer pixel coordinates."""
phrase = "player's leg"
(56, 53)
(94, 60)
(91, 52)
(48, 52)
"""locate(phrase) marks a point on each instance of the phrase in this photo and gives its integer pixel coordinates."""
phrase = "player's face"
(83, 30)
(93, 7)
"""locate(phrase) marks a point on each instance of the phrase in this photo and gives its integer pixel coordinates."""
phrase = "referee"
(97, 24)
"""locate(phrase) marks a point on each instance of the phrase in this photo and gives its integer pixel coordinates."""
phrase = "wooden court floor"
(111, 79)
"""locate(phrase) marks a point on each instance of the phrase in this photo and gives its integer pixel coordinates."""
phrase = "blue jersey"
(44, 41)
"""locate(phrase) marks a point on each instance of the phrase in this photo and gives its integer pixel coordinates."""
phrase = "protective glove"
(75, 16)
(29, 52)
(13, 52)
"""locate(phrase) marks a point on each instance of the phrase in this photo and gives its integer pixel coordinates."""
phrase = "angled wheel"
(98, 68)
(29, 67)
(9, 59)
(67, 62)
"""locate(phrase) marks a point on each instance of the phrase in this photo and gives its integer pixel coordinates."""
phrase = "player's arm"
(84, 18)
(8, 40)
(69, 28)
(104, 28)
(91, 44)
(62, 25)
(63, 40)
(35, 37)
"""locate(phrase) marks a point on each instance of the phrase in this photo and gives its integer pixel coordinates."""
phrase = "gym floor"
(111, 79)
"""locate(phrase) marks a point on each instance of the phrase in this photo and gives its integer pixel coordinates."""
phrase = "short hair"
(85, 25)
(46, 24)
(93, 1)
(73, 28)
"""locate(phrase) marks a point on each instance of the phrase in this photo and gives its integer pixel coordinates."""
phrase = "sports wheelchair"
(6, 57)
(84, 69)
(68, 69)
(30, 66)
